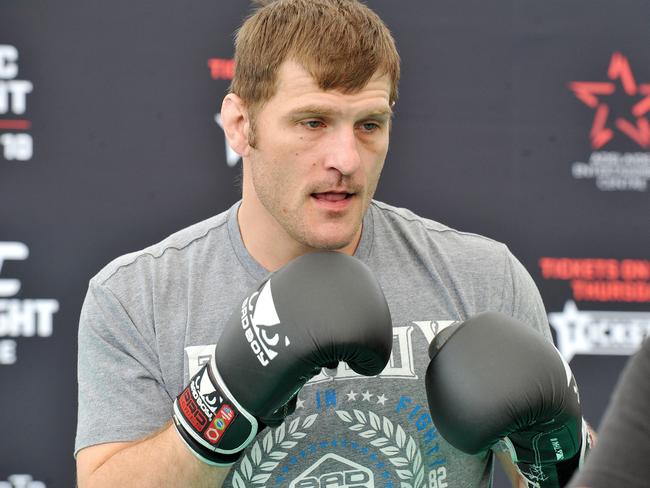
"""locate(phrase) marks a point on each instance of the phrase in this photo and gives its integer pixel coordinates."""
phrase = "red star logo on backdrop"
(589, 92)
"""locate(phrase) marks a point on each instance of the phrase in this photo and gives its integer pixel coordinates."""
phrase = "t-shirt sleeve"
(620, 457)
(521, 298)
(121, 392)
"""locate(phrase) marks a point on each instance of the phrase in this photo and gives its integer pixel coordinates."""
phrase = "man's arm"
(516, 480)
(225, 405)
(159, 461)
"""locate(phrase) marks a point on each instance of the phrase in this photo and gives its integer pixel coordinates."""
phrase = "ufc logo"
(16, 251)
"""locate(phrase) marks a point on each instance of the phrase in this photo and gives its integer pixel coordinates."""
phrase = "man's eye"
(370, 126)
(313, 124)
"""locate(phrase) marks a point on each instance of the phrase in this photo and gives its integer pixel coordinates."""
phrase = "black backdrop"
(524, 121)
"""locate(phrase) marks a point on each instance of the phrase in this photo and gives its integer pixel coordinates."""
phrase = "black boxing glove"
(492, 378)
(319, 309)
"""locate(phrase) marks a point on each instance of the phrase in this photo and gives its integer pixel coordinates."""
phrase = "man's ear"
(236, 123)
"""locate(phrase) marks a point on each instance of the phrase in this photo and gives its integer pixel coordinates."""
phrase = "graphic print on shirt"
(334, 470)
(402, 452)
(352, 431)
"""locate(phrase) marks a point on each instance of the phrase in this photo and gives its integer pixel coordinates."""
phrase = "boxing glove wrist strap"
(211, 423)
(549, 458)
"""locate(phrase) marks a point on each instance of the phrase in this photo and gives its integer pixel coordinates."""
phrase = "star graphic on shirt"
(367, 396)
(634, 125)
(300, 404)
(352, 395)
(381, 399)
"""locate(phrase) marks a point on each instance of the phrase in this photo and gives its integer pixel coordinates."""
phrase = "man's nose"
(344, 151)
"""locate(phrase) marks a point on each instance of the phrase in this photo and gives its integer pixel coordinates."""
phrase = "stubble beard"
(295, 221)
(297, 226)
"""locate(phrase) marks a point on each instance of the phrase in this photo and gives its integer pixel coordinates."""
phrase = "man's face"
(317, 159)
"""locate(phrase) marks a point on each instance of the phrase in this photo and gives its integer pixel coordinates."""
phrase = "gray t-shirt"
(151, 319)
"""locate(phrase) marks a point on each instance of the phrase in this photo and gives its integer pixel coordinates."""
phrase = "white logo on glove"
(258, 318)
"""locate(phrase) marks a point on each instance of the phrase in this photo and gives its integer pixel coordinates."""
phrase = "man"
(309, 111)
(621, 458)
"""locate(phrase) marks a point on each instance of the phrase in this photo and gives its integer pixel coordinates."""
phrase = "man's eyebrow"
(321, 110)
(382, 112)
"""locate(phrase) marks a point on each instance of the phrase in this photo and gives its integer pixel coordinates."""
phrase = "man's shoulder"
(181, 244)
(474, 272)
(430, 233)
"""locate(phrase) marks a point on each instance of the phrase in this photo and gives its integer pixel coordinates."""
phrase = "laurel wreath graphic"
(264, 458)
(400, 448)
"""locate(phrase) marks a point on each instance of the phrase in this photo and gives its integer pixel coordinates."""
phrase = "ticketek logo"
(259, 320)
(633, 123)
(598, 332)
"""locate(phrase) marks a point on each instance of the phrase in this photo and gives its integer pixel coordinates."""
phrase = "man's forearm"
(161, 460)
(509, 468)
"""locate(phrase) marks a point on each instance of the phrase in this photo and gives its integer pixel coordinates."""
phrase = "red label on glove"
(191, 410)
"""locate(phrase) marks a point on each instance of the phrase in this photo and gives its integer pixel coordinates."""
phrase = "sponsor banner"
(224, 69)
(601, 279)
(20, 317)
(601, 333)
(615, 171)
(221, 68)
(620, 106)
(15, 139)
(21, 481)
(606, 280)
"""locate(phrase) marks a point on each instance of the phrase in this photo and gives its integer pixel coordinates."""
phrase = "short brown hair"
(341, 44)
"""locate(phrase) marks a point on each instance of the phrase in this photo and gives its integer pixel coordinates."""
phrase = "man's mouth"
(333, 201)
(331, 196)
